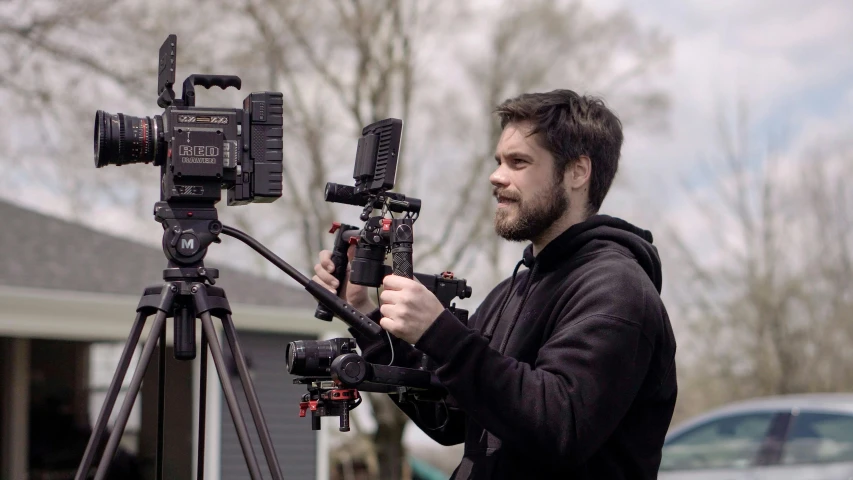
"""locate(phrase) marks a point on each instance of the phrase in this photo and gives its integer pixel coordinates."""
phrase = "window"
(729, 442)
(819, 438)
(103, 360)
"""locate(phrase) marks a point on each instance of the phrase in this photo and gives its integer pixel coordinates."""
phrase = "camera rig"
(331, 369)
(375, 168)
(200, 151)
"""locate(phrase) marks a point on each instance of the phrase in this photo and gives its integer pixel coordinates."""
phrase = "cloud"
(789, 61)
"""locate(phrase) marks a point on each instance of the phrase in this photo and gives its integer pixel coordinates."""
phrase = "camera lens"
(123, 139)
(314, 357)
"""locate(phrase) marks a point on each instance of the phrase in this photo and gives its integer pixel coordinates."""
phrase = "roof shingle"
(40, 251)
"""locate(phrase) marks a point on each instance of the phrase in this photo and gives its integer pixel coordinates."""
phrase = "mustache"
(505, 194)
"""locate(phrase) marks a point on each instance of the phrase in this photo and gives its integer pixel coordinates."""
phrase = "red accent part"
(342, 394)
(335, 227)
(386, 224)
(304, 406)
(189, 214)
(447, 275)
(353, 240)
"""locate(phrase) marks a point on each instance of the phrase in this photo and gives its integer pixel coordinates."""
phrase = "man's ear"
(579, 173)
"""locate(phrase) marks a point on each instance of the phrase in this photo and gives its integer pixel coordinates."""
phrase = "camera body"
(200, 150)
(235, 149)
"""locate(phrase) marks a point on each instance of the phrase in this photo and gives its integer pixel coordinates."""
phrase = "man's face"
(530, 197)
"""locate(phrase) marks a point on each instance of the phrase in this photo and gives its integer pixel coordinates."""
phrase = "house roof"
(45, 252)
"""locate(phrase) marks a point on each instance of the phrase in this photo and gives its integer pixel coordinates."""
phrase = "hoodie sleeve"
(559, 410)
(442, 422)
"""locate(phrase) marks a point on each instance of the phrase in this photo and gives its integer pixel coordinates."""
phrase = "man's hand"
(355, 295)
(408, 308)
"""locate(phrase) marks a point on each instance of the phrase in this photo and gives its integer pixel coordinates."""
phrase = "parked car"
(802, 437)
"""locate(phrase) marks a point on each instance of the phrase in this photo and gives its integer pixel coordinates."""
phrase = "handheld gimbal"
(331, 368)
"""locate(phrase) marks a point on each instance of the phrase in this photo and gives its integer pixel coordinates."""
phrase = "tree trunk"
(390, 451)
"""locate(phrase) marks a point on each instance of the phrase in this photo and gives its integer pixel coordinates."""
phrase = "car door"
(818, 446)
(728, 447)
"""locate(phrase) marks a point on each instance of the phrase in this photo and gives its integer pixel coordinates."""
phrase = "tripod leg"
(121, 422)
(202, 389)
(112, 394)
(230, 397)
(252, 397)
(161, 403)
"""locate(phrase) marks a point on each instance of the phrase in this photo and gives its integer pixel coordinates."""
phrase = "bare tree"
(767, 282)
(537, 46)
(61, 61)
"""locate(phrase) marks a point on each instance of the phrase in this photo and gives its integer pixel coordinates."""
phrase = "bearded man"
(567, 368)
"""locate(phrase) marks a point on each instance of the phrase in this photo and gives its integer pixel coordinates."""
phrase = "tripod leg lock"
(167, 296)
(200, 298)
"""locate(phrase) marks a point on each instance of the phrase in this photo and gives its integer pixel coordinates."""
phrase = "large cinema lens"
(122, 139)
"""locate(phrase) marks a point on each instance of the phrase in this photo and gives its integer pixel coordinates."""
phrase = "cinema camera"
(201, 150)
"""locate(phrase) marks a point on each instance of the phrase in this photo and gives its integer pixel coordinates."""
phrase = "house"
(68, 296)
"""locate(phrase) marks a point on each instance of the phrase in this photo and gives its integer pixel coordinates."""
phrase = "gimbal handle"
(343, 234)
(402, 238)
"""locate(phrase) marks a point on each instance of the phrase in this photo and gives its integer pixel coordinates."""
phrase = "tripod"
(186, 294)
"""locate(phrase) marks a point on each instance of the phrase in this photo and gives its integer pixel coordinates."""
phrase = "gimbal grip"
(340, 261)
(402, 239)
(403, 264)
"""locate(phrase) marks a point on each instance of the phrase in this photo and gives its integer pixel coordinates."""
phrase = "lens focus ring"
(123, 139)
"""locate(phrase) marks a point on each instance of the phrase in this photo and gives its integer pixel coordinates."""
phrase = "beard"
(523, 220)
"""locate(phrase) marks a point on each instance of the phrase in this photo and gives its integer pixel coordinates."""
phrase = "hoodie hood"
(600, 227)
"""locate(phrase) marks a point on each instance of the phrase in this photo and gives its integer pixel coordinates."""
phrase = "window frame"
(793, 415)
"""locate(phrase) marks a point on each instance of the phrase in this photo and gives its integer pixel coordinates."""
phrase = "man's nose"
(498, 177)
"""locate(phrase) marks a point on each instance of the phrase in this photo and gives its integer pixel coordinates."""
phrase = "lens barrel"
(123, 139)
(313, 358)
(368, 265)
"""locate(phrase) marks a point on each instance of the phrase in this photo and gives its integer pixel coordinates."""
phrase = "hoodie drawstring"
(527, 289)
(493, 322)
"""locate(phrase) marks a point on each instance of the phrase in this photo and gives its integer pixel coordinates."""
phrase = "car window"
(819, 438)
(728, 442)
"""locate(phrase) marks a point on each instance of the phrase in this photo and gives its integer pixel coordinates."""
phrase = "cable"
(446, 416)
(390, 343)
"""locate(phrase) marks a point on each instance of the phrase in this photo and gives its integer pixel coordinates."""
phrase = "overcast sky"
(790, 61)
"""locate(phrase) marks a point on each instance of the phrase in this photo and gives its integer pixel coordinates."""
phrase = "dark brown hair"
(569, 126)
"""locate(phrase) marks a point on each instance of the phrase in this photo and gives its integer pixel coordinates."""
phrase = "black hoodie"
(566, 369)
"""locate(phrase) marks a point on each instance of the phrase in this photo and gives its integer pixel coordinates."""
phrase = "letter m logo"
(188, 243)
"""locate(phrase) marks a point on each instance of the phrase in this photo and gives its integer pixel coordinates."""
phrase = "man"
(567, 369)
